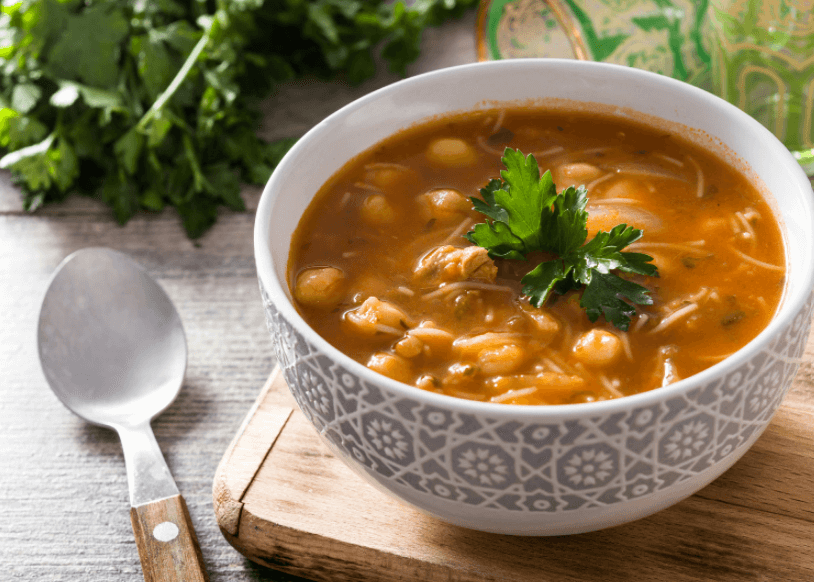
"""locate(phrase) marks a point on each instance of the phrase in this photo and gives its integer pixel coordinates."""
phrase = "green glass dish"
(663, 36)
(763, 62)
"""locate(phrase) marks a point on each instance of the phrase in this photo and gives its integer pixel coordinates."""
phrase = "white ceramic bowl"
(535, 470)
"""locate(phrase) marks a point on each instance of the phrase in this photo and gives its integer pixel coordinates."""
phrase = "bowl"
(536, 470)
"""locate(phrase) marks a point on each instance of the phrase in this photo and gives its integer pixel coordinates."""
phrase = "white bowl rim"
(789, 308)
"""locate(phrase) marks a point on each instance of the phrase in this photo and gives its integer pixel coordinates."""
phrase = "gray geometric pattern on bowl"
(537, 467)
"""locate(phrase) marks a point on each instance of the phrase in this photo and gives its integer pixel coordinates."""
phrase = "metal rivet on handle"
(165, 531)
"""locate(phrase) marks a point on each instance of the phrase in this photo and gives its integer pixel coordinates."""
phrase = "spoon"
(113, 350)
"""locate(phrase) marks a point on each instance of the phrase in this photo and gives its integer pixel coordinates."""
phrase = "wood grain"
(63, 486)
(307, 513)
(246, 455)
(166, 541)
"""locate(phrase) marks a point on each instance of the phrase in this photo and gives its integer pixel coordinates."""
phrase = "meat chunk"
(448, 264)
(376, 316)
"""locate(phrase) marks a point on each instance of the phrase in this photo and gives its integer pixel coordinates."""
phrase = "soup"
(380, 266)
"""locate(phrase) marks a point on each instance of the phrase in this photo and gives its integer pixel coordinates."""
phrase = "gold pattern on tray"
(757, 54)
(763, 62)
(517, 31)
(663, 36)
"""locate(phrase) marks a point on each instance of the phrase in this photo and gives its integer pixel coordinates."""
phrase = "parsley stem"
(198, 179)
(180, 77)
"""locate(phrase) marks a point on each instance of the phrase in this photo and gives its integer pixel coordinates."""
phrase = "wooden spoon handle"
(166, 541)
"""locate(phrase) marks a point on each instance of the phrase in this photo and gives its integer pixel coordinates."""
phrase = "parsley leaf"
(151, 104)
(542, 280)
(497, 236)
(525, 197)
(488, 206)
(562, 226)
(605, 295)
(94, 60)
(527, 215)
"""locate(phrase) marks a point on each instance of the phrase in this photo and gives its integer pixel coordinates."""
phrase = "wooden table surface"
(64, 506)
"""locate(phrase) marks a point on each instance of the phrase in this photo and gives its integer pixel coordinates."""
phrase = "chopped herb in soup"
(554, 299)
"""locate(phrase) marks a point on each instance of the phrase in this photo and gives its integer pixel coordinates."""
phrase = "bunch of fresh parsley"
(148, 103)
(528, 215)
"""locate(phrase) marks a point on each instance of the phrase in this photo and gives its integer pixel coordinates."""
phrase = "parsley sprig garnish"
(526, 215)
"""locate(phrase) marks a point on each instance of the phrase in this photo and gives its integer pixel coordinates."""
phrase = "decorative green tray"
(663, 36)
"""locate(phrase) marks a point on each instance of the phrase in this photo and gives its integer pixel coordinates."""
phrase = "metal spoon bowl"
(113, 350)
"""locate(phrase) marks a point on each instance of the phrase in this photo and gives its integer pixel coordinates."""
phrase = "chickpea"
(577, 173)
(626, 188)
(501, 360)
(467, 303)
(320, 287)
(547, 325)
(451, 152)
(714, 226)
(460, 374)
(443, 204)
(377, 211)
(388, 176)
(392, 366)
(517, 324)
(437, 341)
(428, 382)
(606, 216)
(409, 346)
(470, 347)
(555, 381)
(367, 285)
(597, 347)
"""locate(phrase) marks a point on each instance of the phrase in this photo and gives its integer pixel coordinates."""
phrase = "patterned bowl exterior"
(525, 469)
(580, 473)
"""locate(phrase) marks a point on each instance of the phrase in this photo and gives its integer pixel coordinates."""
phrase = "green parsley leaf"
(497, 236)
(146, 104)
(525, 197)
(23, 130)
(603, 254)
(94, 60)
(31, 163)
(542, 280)
(24, 97)
(65, 97)
(488, 206)
(127, 149)
(606, 294)
(527, 215)
(562, 225)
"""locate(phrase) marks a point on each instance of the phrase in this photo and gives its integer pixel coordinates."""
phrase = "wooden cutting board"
(284, 501)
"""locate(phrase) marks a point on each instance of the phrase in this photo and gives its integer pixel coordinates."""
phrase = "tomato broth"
(380, 267)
